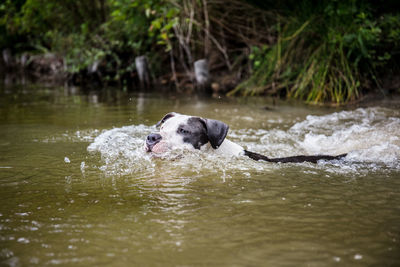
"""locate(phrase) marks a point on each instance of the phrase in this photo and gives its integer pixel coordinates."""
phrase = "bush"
(325, 53)
(113, 32)
(318, 51)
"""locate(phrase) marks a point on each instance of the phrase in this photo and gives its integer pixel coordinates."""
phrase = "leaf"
(147, 12)
(362, 47)
(349, 38)
(156, 24)
(164, 36)
(171, 13)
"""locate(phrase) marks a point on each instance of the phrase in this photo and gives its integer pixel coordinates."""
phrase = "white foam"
(122, 149)
(370, 136)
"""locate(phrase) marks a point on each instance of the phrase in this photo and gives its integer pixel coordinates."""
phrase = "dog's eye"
(183, 131)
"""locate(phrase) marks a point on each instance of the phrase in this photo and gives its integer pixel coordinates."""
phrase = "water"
(76, 187)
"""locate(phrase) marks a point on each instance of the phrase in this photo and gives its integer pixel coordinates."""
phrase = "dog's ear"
(216, 132)
(166, 117)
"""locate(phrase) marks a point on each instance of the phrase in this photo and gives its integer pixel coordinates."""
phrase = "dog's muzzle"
(152, 140)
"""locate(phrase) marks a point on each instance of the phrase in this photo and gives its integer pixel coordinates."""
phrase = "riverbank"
(321, 52)
(12, 85)
(49, 70)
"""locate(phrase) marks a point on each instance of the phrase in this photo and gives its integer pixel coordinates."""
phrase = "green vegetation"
(325, 53)
(317, 51)
(112, 32)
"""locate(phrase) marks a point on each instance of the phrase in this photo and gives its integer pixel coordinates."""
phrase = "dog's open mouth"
(155, 144)
(158, 148)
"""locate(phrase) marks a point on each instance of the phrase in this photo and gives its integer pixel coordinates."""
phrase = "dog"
(191, 132)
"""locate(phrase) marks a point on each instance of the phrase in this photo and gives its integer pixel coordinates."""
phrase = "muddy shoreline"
(51, 70)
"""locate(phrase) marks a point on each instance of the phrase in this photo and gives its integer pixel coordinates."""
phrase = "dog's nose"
(153, 138)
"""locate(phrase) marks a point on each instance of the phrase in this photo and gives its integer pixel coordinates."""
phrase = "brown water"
(76, 187)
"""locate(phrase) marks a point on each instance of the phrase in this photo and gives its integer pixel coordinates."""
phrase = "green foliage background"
(319, 51)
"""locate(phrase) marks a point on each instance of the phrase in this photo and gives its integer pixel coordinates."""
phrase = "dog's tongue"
(159, 148)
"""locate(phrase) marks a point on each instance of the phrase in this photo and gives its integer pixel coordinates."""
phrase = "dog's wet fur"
(197, 132)
(194, 132)
(293, 159)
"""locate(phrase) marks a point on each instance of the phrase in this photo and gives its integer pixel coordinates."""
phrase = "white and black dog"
(183, 131)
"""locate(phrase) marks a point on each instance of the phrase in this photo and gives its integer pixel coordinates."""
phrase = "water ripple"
(370, 136)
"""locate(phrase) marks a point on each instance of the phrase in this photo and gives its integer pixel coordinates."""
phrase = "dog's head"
(183, 131)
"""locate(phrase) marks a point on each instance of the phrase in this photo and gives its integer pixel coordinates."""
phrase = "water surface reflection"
(76, 188)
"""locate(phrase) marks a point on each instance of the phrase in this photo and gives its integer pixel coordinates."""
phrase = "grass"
(303, 65)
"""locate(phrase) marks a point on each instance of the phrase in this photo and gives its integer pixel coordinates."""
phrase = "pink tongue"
(160, 147)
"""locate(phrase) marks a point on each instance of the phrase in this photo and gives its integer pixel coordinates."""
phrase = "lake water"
(77, 188)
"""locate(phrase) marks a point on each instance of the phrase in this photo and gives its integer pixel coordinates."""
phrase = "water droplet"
(23, 240)
(83, 167)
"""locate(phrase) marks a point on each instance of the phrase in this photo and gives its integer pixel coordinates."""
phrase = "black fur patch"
(165, 118)
(294, 159)
(194, 132)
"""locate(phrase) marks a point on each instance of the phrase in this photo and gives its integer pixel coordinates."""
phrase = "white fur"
(172, 140)
(168, 131)
(230, 148)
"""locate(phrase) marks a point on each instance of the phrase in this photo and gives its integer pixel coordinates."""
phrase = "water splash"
(370, 136)
(122, 149)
